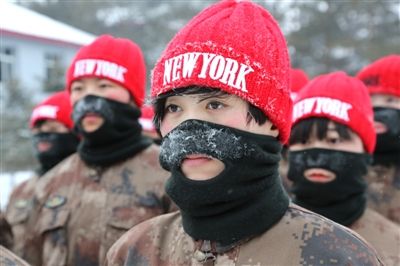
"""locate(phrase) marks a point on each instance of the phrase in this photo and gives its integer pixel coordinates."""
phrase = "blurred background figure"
(382, 78)
(330, 150)
(53, 141)
(147, 123)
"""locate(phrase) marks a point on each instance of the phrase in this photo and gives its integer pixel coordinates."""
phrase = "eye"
(76, 88)
(172, 108)
(390, 100)
(214, 105)
(105, 84)
(333, 140)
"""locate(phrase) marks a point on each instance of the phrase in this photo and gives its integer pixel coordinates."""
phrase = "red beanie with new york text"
(56, 107)
(117, 59)
(382, 76)
(235, 46)
(340, 98)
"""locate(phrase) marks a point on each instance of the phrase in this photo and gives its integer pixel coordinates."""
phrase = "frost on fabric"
(92, 104)
(199, 137)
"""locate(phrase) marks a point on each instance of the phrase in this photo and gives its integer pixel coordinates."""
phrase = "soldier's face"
(332, 141)
(227, 110)
(98, 87)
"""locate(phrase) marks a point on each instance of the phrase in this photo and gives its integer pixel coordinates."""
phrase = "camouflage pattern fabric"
(301, 237)
(384, 190)
(19, 209)
(83, 210)
(7, 258)
(381, 233)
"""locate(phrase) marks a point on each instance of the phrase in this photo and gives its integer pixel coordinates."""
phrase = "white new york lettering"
(206, 61)
(176, 68)
(189, 62)
(241, 80)
(79, 69)
(217, 67)
(89, 66)
(344, 111)
(167, 71)
(231, 68)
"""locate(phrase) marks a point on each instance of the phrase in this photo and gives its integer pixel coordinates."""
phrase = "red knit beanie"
(56, 107)
(116, 59)
(146, 119)
(383, 75)
(298, 79)
(340, 98)
(235, 46)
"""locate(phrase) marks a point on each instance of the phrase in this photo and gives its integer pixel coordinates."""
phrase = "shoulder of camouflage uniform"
(9, 258)
(326, 228)
(142, 235)
(50, 179)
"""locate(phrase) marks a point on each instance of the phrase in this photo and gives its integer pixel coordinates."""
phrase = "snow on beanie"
(341, 98)
(56, 107)
(382, 76)
(116, 59)
(235, 46)
(298, 79)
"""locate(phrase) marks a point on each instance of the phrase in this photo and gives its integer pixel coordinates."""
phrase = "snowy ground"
(8, 181)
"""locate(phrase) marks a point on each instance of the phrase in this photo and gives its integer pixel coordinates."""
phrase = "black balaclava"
(244, 200)
(387, 149)
(343, 199)
(117, 139)
(61, 146)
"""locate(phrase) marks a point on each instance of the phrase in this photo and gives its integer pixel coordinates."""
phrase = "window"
(54, 73)
(7, 64)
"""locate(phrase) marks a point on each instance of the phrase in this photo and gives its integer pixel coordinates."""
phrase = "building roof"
(19, 21)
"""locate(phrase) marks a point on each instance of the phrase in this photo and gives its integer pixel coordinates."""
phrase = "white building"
(35, 50)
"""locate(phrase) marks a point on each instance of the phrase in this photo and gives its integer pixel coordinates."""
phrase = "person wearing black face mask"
(329, 151)
(53, 141)
(382, 79)
(114, 181)
(223, 107)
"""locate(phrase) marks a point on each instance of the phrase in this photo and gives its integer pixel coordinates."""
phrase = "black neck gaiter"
(343, 199)
(244, 200)
(117, 139)
(61, 146)
(387, 149)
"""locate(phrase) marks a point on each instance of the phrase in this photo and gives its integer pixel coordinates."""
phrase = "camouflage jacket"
(7, 258)
(301, 237)
(18, 210)
(384, 190)
(381, 233)
(83, 211)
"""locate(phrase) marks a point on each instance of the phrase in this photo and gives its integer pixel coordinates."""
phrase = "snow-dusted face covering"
(118, 138)
(248, 190)
(390, 140)
(61, 146)
(342, 199)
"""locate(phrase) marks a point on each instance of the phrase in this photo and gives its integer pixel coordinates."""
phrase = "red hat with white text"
(382, 76)
(117, 59)
(235, 46)
(340, 98)
(146, 119)
(56, 107)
